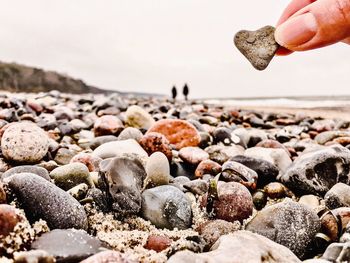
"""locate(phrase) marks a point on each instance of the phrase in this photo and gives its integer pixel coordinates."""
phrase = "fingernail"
(296, 31)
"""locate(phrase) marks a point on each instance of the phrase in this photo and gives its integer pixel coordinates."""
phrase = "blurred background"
(151, 45)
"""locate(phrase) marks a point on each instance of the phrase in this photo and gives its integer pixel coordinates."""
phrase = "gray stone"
(130, 133)
(337, 252)
(117, 148)
(98, 141)
(42, 172)
(259, 46)
(197, 187)
(166, 207)
(236, 172)
(157, 170)
(41, 199)
(338, 196)
(288, 223)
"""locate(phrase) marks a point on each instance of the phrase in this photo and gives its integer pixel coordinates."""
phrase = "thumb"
(319, 24)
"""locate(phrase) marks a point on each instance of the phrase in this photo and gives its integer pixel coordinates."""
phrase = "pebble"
(166, 207)
(42, 172)
(68, 245)
(193, 155)
(98, 141)
(156, 142)
(311, 201)
(118, 148)
(337, 252)
(9, 218)
(130, 133)
(275, 190)
(157, 243)
(42, 199)
(108, 125)
(64, 156)
(259, 199)
(79, 191)
(207, 167)
(221, 153)
(236, 172)
(197, 187)
(338, 196)
(124, 178)
(3, 198)
(157, 170)
(137, 117)
(24, 142)
(180, 133)
(108, 256)
(290, 224)
(225, 136)
(259, 46)
(92, 162)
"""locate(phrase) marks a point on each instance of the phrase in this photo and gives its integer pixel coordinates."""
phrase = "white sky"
(149, 45)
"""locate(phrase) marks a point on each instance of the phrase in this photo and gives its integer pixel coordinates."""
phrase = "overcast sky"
(150, 45)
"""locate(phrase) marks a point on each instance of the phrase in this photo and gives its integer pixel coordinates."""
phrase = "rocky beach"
(121, 178)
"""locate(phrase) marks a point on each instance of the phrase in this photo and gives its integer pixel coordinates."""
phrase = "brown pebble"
(156, 142)
(157, 243)
(8, 219)
(108, 125)
(275, 190)
(92, 162)
(193, 155)
(2, 194)
(207, 167)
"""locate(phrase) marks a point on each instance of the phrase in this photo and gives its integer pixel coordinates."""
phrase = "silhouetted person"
(185, 91)
(174, 92)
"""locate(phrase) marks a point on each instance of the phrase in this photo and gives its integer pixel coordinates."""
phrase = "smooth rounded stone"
(92, 162)
(157, 243)
(211, 231)
(316, 172)
(108, 256)
(33, 256)
(64, 156)
(290, 224)
(123, 177)
(207, 167)
(197, 187)
(275, 190)
(166, 207)
(49, 166)
(70, 175)
(68, 245)
(138, 118)
(272, 144)
(3, 198)
(234, 202)
(157, 170)
(278, 157)
(259, 46)
(180, 133)
(181, 169)
(259, 199)
(42, 172)
(179, 182)
(337, 252)
(225, 136)
(236, 172)
(98, 141)
(117, 148)
(8, 219)
(206, 140)
(250, 136)
(338, 196)
(41, 199)
(79, 191)
(310, 201)
(24, 142)
(324, 137)
(130, 133)
(108, 125)
(267, 171)
(241, 246)
(221, 153)
(156, 142)
(193, 155)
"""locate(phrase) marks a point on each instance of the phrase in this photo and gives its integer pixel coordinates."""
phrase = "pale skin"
(311, 24)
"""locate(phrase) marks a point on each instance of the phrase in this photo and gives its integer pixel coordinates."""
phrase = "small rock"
(166, 207)
(108, 256)
(259, 46)
(157, 170)
(236, 172)
(179, 132)
(275, 190)
(311, 201)
(259, 199)
(338, 196)
(8, 219)
(130, 133)
(138, 118)
(92, 162)
(64, 156)
(79, 191)
(98, 141)
(197, 187)
(24, 142)
(118, 148)
(193, 155)
(221, 154)
(26, 169)
(337, 252)
(70, 175)
(207, 167)
(157, 243)
(2, 194)
(41, 199)
(108, 125)
(225, 136)
(156, 142)
(69, 245)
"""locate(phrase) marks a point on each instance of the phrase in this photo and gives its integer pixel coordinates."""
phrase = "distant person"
(185, 91)
(310, 24)
(174, 93)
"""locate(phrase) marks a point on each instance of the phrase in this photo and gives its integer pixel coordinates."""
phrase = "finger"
(319, 24)
(292, 8)
(346, 41)
(281, 51)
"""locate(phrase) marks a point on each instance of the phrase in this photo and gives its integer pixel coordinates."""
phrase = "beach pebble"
(317, 171)
(311, 201)
(166, 207)
(207, 167)
(118, 148)
(79, 191)
(156, 142)
(193, 155)
(68, 245)
(241, 246)
(235, 172)
(259, 46)
(42, 172)
(124, 177)
(108, 256)
(24, 142)
(259, 199)
(337, 252)
(234, 202)
(206, 140)
(8, 219)
(225, 136)
(197, 187)
(92, 162)
(3, 198)
(108, 125)
(180, 133)
(137, 117)
(290, 224)
(157, 170)
(41, 199)
(338, 196)
(275, 190)
(98, 141)
(221, 153)
(130, 133)
(157, 243)
(64, 156)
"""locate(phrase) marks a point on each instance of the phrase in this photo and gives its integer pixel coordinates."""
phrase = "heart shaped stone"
(259, 46)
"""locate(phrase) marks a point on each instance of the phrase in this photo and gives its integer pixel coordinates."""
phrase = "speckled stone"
(24, 142)
(207, 167)
(137, 117)
(259, 46)
(42, 172)
(156, 142)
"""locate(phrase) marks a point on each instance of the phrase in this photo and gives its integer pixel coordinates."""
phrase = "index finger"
(292, 8)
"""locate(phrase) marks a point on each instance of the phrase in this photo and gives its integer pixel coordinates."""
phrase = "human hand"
(310, 24)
